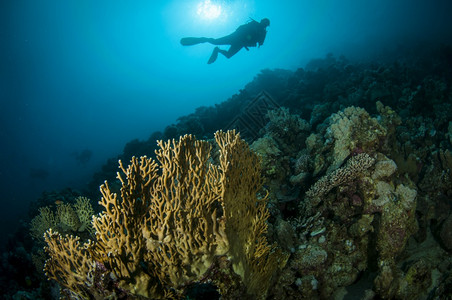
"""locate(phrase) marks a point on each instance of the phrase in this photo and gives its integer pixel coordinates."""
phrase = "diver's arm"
(261, 34)
(262, 38)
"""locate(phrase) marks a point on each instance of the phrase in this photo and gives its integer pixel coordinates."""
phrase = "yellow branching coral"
(246, 215)
(183, 234)
(70, 263)
(174, 217)
(120, 241)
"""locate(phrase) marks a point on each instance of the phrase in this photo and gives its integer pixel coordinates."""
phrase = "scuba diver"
(247, 35)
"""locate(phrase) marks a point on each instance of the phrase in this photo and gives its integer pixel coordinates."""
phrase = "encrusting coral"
(354, 167)
(173, 221)
(350, 129)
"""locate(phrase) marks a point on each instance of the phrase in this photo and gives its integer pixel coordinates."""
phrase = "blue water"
(89, 76)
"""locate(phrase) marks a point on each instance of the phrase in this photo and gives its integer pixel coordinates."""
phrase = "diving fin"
(189, 41)
(214, 55)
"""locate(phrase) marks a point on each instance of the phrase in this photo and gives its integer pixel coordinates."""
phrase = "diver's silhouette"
(248, 35)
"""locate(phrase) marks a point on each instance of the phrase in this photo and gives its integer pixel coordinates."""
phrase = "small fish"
(58, 202)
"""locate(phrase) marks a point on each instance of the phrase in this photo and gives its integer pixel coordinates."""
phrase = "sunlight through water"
(208, 10)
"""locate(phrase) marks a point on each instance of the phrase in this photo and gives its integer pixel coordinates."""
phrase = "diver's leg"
(226, 40)
(190, 41)
(231, 51)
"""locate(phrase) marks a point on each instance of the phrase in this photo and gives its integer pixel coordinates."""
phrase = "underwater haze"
(347, 110)
(79, 79)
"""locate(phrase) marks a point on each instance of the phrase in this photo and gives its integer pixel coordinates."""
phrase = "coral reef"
(355, 200)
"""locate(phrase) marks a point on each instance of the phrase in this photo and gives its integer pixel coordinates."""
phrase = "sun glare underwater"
(208, 10)
(191, 150)
(220, 12)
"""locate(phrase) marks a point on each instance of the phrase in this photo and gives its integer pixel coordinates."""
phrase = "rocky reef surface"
(357, 161)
